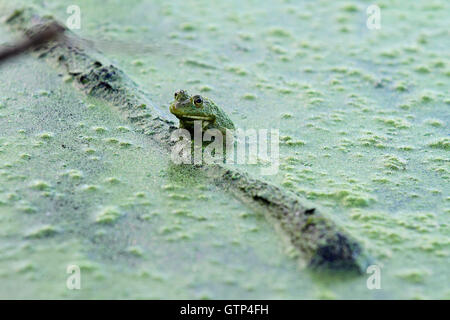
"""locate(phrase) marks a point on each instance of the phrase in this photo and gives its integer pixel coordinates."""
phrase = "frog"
(189, 108)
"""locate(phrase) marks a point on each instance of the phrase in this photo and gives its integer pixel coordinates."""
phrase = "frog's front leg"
(183, 125)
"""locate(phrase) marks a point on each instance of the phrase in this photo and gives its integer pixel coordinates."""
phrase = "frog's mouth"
(177, 111)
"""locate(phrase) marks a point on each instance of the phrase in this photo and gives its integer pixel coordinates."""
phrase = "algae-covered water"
(363, 117)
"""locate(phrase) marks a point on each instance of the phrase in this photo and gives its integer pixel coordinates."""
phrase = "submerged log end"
(340, 252)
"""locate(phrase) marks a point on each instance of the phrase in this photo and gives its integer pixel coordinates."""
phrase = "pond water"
(363, 118)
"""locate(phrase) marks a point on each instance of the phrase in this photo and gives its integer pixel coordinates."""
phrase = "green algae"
(42, 232)
(442, 143)
(393, 162)
(108, 215)
(395, 122)
(414, 275)
(40, 185)
(406, 88)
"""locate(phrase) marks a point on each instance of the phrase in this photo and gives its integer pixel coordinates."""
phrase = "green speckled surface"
(363, 117)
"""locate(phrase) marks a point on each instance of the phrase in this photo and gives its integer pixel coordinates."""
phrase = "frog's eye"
(198, 101)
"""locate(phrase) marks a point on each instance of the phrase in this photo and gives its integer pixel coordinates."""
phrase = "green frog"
(197, 108)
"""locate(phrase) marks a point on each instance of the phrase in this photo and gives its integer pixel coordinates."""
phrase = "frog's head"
(190, 108)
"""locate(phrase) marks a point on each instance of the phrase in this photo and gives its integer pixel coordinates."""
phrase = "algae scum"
(363, 117)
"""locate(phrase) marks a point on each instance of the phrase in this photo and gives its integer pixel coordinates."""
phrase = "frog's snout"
(178, 108)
